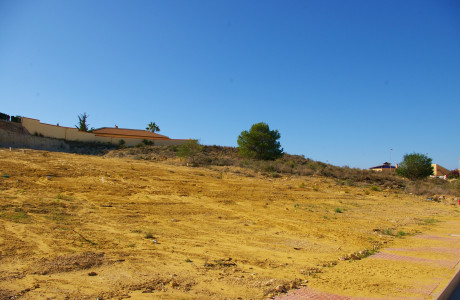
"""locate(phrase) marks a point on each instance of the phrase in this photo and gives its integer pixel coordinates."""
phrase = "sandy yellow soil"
(414, 267)
(82, 227)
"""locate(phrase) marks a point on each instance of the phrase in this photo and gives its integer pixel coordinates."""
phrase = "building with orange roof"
(123, 133)
(113, 135)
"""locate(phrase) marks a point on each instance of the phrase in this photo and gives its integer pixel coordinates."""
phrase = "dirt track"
(74, 226)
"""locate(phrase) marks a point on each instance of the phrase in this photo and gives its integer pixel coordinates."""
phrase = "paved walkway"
(439, 251)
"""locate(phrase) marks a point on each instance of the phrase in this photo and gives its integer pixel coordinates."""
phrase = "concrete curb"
(449, 288)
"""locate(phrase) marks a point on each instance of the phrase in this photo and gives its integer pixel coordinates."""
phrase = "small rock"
(280, 289)
(92, 274)
(173, 284)
(269, 282)
(304, 282)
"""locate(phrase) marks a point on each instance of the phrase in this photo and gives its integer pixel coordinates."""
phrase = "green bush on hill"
(260, 143)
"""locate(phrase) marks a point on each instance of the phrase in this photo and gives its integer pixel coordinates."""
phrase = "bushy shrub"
(4, 117)
(189, 149)
(454, 174)
(147, 142)
(16, 119)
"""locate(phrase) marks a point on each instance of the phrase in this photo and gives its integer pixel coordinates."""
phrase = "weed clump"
(149, 235)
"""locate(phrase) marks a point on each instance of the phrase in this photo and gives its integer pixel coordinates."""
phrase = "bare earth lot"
(82, 227)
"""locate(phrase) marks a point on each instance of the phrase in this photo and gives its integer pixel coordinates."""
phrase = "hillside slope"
(83, 227)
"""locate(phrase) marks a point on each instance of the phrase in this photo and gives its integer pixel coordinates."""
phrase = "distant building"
(386, 166)
(439, 171)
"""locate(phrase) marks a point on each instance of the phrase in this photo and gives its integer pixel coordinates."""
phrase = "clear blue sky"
(343, 81)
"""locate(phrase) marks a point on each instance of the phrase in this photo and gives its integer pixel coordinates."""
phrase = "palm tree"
(152, 127)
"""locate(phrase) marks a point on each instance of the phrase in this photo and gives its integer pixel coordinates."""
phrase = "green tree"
(82, 123)
(415, 166)
(260, 143)
(152, 127)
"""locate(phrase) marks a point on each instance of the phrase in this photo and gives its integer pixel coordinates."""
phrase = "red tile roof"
(128, 133)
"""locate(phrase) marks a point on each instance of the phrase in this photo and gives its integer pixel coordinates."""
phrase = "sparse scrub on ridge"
(297, 165)
(205, 156)
(189, 150)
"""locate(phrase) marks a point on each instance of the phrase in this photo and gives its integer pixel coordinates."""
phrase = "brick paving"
(452, 239)
(455, 251)
(436, 262)
(309, 293)
(424, 290)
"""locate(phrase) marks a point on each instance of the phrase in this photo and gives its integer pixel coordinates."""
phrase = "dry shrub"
(7, 294)
(159, 284)
(68, 263)
(434, 186)
(146, 152)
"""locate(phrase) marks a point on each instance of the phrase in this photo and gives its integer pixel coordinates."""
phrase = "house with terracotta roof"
(112, 135)
(439, 171)
(123, 133)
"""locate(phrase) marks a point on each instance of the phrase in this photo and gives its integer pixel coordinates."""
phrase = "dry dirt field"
(91, 227)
